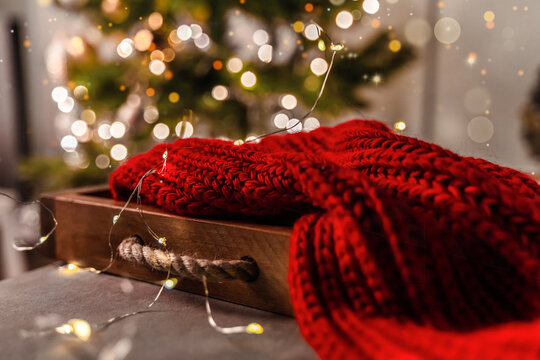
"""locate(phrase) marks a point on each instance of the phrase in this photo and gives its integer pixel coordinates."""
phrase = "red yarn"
(401, 249)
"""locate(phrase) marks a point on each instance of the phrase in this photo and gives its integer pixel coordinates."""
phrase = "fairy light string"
(81, 328)
(43, 238)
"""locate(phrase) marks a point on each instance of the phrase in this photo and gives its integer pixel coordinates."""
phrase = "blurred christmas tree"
(147, 70)
(531, 121)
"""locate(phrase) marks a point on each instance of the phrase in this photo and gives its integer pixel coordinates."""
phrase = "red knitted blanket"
(400, 249)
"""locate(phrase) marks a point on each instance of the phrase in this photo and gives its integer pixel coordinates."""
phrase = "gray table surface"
(176, 328)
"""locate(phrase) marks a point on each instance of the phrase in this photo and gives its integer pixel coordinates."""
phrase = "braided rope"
(131, 249)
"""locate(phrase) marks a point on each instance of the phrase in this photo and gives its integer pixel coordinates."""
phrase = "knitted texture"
(400, 249)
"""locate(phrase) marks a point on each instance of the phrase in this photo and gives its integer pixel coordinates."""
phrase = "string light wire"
(43, 238)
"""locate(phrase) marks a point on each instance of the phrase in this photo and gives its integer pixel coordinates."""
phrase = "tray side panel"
(82, 234)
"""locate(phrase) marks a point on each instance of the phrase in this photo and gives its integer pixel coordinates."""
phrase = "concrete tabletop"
(175, 328)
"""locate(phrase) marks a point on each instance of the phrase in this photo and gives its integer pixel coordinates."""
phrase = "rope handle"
(133, 250)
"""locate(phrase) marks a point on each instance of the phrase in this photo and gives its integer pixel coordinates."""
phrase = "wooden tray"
(85, 216)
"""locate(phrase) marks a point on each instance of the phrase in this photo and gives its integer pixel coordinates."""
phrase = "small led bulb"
(42, 239)
(115, 219)
(162, 241)
(336, 47)
(170, 283)
(254, 328)
(81, 328)
(165, 154)
(238, 142)
(64, 329)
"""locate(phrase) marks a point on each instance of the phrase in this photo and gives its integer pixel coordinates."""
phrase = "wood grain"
(85, 218)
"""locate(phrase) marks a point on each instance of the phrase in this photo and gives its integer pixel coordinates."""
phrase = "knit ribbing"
(400, 247)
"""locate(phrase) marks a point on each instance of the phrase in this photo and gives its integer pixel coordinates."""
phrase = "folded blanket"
(400, 248)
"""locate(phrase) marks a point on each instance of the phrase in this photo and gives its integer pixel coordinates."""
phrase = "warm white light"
(280, 120)
(104, 131)
(371, 6)
(234, 65)
(88, 115)
(202, 42)
(81, 329)
(318, 66)
(59, 94)
(311, 123)
(69, 143)
(151, 114)
(67, 105)
(311, 32)
(125, 48)
(294, 126)
(80, 92)
(184, 129)
(184, 32)
(480, 129)
(102, 161)
(79, 128)
(289, 101)
(265, 53)
(344, 19)
(119, 152)
(447, 30)
(143, 39)
(260, 37)
(161, 131)
(157, 67)
(220, 92)
(248, 79)
(155, 20)
(196, 31)
(118, 129)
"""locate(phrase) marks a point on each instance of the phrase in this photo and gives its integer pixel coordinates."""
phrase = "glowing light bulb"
(234, 65)
(371, 6)
(289, 101)
(42, 239)
(260, 37)
(160, 131)
(248, 79)
(220, 92)
(344, 19)
(311, 123)
(183, 129)
(162, 241)
(155, 20)
(67, 105)
(102, 161)
(79, 128)
(157, 67)
(238, 142)
(196, 31)
(64, 329)
(80, 92)
(184, 32)
(254, 328)
(59, 94)
(318, 66)
(294, 126)
(143, 39)
(400, 126)
(312, 32)
(119, 152)
(265, 53)
(125, 48)
(170, 283)
(394, 45)
(115, 219)
(118, 129)
(280, 120)
(69, 143)
(202, 42)
(81, 329)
